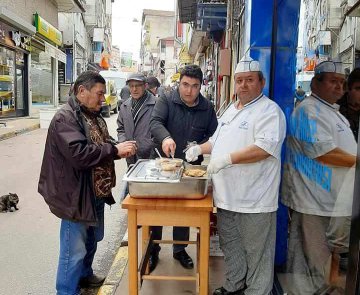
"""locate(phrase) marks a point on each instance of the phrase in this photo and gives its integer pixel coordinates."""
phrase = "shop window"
(41, 78)
(7, 82)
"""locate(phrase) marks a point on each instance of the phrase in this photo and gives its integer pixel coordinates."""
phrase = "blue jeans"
(78, 243)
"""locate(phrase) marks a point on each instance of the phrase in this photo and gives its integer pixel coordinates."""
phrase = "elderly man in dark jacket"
(134, 117)
(76, 179)
(181, 117)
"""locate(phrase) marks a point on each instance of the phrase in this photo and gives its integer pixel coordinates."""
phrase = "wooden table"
(168, 212)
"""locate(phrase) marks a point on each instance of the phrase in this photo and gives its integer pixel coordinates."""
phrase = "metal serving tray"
(144, 183)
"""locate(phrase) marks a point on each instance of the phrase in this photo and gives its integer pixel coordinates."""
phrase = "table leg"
(145, 237)
(133, 252)
(204, 253)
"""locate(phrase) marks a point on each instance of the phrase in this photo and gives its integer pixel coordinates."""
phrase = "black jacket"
(171, 117)
(66, 172)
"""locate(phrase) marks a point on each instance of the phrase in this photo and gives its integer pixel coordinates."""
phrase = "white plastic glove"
(217, 164)
(193, 153)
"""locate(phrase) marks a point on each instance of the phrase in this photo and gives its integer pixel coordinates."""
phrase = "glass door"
(21, 102)
(7, 85)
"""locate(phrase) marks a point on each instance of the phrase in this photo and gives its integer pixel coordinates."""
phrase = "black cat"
(7, 202)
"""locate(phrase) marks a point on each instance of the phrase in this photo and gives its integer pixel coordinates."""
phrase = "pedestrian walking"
(152, 85)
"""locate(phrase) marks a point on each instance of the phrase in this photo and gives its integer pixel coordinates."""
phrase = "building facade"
(156, 25)
(30, 41)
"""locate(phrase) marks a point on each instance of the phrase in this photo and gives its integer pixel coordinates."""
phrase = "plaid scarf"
(104, 178)
(136, 105)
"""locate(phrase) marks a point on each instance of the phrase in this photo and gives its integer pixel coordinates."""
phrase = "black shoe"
(184, 259)
(223, 291)
(153, 261)
(93, 281)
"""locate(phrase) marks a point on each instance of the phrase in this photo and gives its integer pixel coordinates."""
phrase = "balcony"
(71, 5)
(211, 16)
(187, 10)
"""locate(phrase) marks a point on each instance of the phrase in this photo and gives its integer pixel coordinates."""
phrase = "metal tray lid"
(146, 171)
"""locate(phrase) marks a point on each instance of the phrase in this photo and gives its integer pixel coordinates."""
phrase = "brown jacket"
(65, 178)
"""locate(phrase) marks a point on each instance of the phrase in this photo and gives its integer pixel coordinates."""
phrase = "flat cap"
(153, 82)
(136, 77)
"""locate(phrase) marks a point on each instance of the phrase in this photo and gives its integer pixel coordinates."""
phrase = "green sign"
(47, 30)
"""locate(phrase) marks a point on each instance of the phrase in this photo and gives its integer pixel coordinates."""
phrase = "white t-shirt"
(317, 127)
(249, 188)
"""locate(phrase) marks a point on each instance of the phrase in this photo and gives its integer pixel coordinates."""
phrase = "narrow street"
(29, 237)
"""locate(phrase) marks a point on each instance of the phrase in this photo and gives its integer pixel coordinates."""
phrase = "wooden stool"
(167, 212)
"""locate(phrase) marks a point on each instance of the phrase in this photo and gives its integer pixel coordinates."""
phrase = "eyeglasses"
(136, 85)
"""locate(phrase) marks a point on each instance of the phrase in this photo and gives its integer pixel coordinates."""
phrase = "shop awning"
(94, 67)
(12, 19)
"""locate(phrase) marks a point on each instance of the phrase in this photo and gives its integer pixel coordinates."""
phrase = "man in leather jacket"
(76, 179)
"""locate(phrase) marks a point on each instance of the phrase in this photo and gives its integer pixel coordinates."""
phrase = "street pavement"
(29, 242)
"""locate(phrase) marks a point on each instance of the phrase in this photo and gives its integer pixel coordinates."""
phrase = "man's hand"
(126, 149)
(193, 153)
(168, 146)
(217, 164)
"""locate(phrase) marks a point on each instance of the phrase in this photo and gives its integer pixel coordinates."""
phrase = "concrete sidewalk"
(10, 127)
(116, 282)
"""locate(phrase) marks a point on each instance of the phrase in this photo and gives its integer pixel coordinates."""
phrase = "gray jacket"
(139, 130)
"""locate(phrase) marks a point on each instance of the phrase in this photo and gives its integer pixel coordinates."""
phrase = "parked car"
(115, 80)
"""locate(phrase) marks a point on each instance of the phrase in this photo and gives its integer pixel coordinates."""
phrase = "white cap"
(247, 64)
(329, 66)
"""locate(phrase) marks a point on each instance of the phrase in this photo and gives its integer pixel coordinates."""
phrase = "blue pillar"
(271, 36)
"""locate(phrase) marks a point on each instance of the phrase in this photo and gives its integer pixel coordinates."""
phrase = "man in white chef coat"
(318, 178)
(245, 167)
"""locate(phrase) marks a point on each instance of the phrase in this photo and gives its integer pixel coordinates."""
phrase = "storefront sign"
(55, 53)
(21, 40)
(97, 57)
(184, 55)
(16, 37)
(12, 37)
(47, 30)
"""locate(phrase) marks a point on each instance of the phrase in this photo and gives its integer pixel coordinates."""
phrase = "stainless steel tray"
(146, 171)
(143, 186)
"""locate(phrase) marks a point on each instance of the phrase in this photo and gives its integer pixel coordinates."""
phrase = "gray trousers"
(179, 234)
(312, 240)
(248, 243)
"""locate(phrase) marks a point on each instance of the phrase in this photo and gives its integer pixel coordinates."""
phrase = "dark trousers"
(179, 234)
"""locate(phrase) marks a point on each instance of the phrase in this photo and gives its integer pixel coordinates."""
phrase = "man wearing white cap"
(318, 179)
(245, 166)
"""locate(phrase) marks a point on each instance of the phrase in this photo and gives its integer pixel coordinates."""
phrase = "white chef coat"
(249, 188)
(317, 127)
